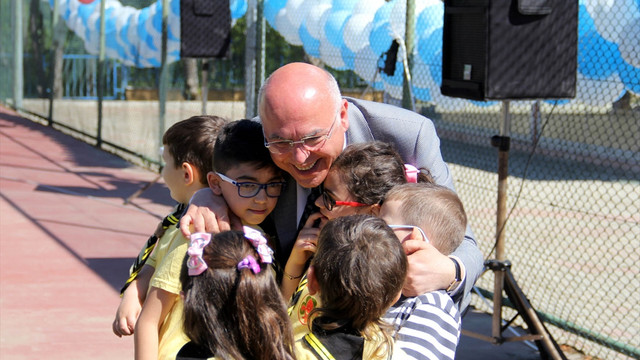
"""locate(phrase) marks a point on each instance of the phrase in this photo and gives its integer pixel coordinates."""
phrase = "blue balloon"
(382, 14)
(432, 17)
(598, 58)
(435, 67)
(348, 57)
(380, 38)
(630, 77)
(429, 45)
(271, 10)
(483, 103)
(238, 8)
(348, 5)
(421, 94)
(334, 26)
(310, 44)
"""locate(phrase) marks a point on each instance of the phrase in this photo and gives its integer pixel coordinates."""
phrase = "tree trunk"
(36, 36)
(191, 91)
(59, 38)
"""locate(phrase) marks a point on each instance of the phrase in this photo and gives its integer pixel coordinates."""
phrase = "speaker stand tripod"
(503, 278)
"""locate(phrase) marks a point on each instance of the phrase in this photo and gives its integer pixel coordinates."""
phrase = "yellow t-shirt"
(169, 259)
(301, 305)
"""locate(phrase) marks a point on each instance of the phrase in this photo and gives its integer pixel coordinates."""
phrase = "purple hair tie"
(249, 263)
(195, 262)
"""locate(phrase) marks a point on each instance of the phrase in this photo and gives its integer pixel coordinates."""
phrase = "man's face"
(309, 167)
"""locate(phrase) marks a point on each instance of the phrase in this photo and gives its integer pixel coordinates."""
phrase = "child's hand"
(429, 270)
(126, 316)
(306, 243)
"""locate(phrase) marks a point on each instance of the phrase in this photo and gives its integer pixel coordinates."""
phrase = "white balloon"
(316, 18)
(397, 20)
(366, 64)
(629, 45)
(356, 31)
(367, 6)
(331, 55)
(611, 16)
(286, 28)
(296, 11)
(598, 92)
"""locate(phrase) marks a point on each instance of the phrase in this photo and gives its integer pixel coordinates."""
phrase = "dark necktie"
(310, 207)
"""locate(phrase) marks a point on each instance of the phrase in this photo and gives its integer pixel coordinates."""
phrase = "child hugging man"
(188, 157)
(250, 183)
(357, 272)
(428, 326)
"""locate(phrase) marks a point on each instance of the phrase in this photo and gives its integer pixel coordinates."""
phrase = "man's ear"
(214, 182)
(312, 282)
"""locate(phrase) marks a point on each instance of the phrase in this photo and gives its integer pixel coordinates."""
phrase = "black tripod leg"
(549, 348)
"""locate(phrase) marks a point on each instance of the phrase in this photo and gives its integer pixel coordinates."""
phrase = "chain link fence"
(573, 198)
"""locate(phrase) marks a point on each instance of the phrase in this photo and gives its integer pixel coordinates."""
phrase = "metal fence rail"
(573, 228)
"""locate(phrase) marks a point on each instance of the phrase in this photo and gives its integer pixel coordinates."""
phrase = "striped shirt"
(428, 326)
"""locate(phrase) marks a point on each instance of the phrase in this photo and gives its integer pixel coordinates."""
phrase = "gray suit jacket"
(414, 137)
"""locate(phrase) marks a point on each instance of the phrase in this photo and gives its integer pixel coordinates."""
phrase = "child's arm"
(154, 311)
(131, 303)
(303, 249)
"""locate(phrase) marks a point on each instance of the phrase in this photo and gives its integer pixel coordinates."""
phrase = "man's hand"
(207, 212)
(428, 270)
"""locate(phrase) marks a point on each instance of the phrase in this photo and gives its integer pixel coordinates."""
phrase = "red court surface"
(68, 240)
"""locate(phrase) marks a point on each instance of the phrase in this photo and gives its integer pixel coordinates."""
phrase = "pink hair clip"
(411, 173)
(260, 243)
(195, 262)
(249, 262)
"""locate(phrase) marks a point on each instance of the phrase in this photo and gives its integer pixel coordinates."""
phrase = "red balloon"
(86, 1)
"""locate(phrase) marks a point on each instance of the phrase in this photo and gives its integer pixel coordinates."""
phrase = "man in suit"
(306, 125)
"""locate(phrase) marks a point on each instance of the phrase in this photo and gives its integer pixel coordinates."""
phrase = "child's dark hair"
(233, 313)
(239, 142)
(360, 267)
(371, 169)
(436, 209)
(192, 140)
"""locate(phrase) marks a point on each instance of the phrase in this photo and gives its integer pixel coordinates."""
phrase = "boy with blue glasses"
(248, 180)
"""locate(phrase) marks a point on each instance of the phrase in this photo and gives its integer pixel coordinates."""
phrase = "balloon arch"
(353, 34)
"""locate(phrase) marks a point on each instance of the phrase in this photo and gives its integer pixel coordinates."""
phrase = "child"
(426, 212)
(250, 183)
(357, 182)
(188, 157)
(357, 273)
(232, 305)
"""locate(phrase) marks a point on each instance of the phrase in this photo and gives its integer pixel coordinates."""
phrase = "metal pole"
(260, 50)
(18, 70)
(205, 84)
(162, 86)
(503, 173)
(100, 78)
(410, 30)
(54, 58)
(250, 59)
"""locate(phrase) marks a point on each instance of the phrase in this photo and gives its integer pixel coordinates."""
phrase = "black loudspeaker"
(509, 49)
(205, 28)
